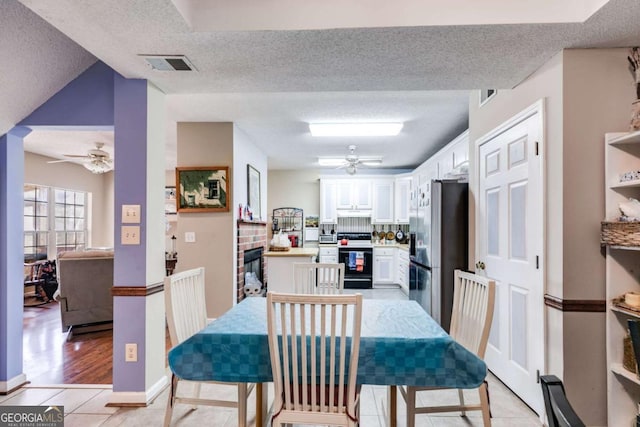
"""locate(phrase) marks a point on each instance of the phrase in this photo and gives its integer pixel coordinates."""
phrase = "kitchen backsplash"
(359, 225)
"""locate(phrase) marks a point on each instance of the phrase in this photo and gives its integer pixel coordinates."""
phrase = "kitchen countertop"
(293, 252)
(404, 246)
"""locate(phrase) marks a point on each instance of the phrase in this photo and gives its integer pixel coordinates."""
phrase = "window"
(69, 220)
(486, 95)
(36, 222)
(54, 221)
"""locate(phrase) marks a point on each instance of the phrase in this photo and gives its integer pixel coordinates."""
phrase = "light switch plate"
(190, 237)
(131, 214)
(130, 235)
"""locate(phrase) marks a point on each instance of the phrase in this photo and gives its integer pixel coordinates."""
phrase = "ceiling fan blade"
(59, 161)
(77, 155)
(371, 162)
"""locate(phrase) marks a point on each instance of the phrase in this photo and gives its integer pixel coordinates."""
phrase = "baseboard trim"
(138, 398)
(13, 384)
(575, 305)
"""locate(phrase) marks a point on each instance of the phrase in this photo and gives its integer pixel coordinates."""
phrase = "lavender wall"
(99, 98)
(11, 254)
(130, 100)
(86, 101)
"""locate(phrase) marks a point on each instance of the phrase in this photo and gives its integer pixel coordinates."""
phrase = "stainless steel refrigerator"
(439, 243)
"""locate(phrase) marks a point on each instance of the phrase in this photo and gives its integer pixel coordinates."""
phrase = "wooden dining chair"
(318, 278)
(473, 302)
(186, 315)
(314, 373)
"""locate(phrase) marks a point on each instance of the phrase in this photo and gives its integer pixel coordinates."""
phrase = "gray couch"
(85, 279)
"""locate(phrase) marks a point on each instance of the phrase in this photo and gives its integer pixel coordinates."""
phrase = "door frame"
(537, 108)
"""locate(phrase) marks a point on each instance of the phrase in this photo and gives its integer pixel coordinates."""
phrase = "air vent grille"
(169, 62)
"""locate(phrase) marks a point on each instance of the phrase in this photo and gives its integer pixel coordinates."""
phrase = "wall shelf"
(619, 370)
(622, 154)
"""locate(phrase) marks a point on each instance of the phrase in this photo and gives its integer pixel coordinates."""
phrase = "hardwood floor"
(50, 359)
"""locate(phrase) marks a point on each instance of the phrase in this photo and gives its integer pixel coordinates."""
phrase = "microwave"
(328, 238)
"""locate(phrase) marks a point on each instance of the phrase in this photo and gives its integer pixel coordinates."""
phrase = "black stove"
(357, 256)
(360, 240)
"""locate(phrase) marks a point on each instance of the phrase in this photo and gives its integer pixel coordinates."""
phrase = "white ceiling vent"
(169, 62)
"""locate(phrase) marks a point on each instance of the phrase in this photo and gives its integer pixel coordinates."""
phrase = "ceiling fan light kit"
(355, 129)
(98, 160)
(350, 162)
(98, 165)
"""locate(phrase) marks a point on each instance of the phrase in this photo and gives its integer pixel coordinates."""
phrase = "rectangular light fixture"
(355, 129)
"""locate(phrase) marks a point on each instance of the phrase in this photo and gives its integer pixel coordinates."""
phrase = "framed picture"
(170, 207)
(253, 190)
(203, 189)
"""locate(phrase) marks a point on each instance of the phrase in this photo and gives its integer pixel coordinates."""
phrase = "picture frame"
(203, 189)
(170, 206)
(253, 190)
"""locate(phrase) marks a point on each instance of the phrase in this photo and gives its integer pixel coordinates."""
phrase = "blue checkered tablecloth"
(400, 344)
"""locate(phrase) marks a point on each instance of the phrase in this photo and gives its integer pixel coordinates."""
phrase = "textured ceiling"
(272, 82)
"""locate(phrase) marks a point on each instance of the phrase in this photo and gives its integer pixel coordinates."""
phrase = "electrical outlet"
(131, 352)
(131, 214)
(130, 235)
(190, 237)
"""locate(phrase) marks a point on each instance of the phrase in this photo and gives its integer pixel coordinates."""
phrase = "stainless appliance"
(327, 238)
(357, 256)
(438, 242)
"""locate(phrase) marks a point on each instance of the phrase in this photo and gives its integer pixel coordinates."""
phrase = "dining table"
(400, 344)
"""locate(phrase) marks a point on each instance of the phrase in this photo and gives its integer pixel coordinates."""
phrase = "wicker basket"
(620, 233)
(278, 248)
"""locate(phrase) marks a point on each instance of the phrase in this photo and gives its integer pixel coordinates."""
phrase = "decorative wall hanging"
(203, 189)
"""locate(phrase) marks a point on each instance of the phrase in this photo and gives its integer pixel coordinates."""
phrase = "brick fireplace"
(251, 235)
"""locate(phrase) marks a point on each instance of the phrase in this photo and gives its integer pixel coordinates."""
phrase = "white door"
(509, 226)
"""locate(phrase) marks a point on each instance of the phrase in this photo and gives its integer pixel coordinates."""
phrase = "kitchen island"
(280, 267)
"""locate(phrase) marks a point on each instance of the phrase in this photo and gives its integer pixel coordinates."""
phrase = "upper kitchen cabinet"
(453, 156)
(354, 194)
(328, 211)
(402, 200)
(383, 201)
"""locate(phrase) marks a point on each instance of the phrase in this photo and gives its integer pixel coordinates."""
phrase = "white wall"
(586, 93)
(72, 176)
(245, 152)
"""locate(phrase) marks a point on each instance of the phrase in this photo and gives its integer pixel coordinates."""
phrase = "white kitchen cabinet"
(622, 155)
(452, 156)
(403, 269)
(402, 200)
(328, 211)
(383, 201)
(384, 266)
(328, 254)
(354, 194)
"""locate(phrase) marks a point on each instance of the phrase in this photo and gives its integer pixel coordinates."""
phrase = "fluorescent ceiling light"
(331, 161)
(355, 129)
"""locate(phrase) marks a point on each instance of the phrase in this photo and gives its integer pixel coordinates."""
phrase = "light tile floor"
(85, 405)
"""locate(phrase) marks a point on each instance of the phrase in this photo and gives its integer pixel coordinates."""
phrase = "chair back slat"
(473, 302)
(318, 278)
(314, 342)
(185, 304)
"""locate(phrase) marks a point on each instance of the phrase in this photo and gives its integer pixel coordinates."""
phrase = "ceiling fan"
(97, 160)
(351, 161)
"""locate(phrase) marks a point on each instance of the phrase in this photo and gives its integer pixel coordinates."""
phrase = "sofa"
(85, 279)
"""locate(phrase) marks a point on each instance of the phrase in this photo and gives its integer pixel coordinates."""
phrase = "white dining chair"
(473, 302)
(186, 315)
(314, 374)
(318, 278)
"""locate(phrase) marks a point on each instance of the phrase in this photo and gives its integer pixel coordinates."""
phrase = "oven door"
(358, 267)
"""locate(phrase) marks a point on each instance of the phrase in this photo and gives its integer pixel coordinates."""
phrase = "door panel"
(509, 242)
